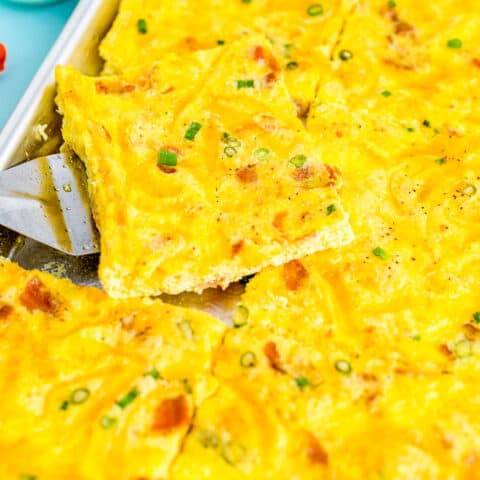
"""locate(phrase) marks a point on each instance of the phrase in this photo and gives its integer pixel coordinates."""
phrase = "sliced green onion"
(233, 452)
(220, 42)
(262, 154)
(79, 396)
(230, 151)
(64, 405)
(380, 253)
(410, 129)
(154, 373)
(246, 1)
(245, 83)
(463, 349)
(386, 93)
(454, 43)
(391, 3)
(291, 66)
(331, 208)
(343, 367)
(345, 55)
(248, 360)
(476, 317)
(230, 140)
(302, 382)
(167, 158)
(108, 422)
(315, 10)
(469, 190)
(192, 131)
(441, 161)
(298, 161)
(240, 320)
(142, 26)
(416, 337)
(128, 398)
(208, 439)
(186, 328)
(426, 123)
(27, 476)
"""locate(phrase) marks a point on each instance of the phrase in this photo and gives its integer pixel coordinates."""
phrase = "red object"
(3, 57)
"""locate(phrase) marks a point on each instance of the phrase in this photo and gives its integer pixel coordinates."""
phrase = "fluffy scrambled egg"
(356, 362)
(200, 171)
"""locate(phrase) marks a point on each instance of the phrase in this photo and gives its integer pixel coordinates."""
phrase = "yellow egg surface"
(301, 32)
(200, 171)
(95, 388)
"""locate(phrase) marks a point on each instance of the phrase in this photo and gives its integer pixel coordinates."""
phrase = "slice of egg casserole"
(199, 170)
(301, 32)
(95, 388)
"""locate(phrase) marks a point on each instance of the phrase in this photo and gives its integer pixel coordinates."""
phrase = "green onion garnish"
(380, 253)
(345, 55)
(426, 123)
(248, 360)
(391, 3)
(246, 1)
(416, 337)
(128, 398)
(142, 26)
(167, 158)
(298, 161)
(315, 10)
(386, 93)
(463, 349)
(240, 320)
(454, 43)
(107, 422)
(64, 405)
(154, 373)
(410, 129)
(233, 452)
(187, 386)
(220, 42)
(343, 367)
(262, 154)
(79, 396)
(192, 131)
(331, 208)
(27, 476)
(440, 161)
(245, 83)
(469, 190)
(230, 151)
(291, 65)
(230, 140)
(302, 382)
(476, 317)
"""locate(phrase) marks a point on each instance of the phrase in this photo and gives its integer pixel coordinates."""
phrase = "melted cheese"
(187, 26)
(58, 340)
(237, 200)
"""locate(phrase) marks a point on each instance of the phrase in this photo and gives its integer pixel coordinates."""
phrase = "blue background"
(28, 32)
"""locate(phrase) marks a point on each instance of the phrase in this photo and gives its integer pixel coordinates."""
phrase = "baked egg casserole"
(332, 150)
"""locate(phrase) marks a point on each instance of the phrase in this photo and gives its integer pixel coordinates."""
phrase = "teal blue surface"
(28, 33)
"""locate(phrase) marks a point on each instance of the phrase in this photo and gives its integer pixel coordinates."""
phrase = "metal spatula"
(46, 199)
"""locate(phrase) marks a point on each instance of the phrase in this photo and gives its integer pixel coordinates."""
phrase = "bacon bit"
(402, 28)
(315, 452)
(172, 413)
(369, 377)
(5, 311)
(270, 78)
(294, 275)
(333, 174)
(167, 169)
(446, 351)
(236, 247)
(247, 174)
(271, 352)
(302, 173)
(258, 54)
(476, 62)
(127, 88)
(391, 14)
(3, 57)
(100, 87)
(471, 332)
(114, 88)
(36, 297)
